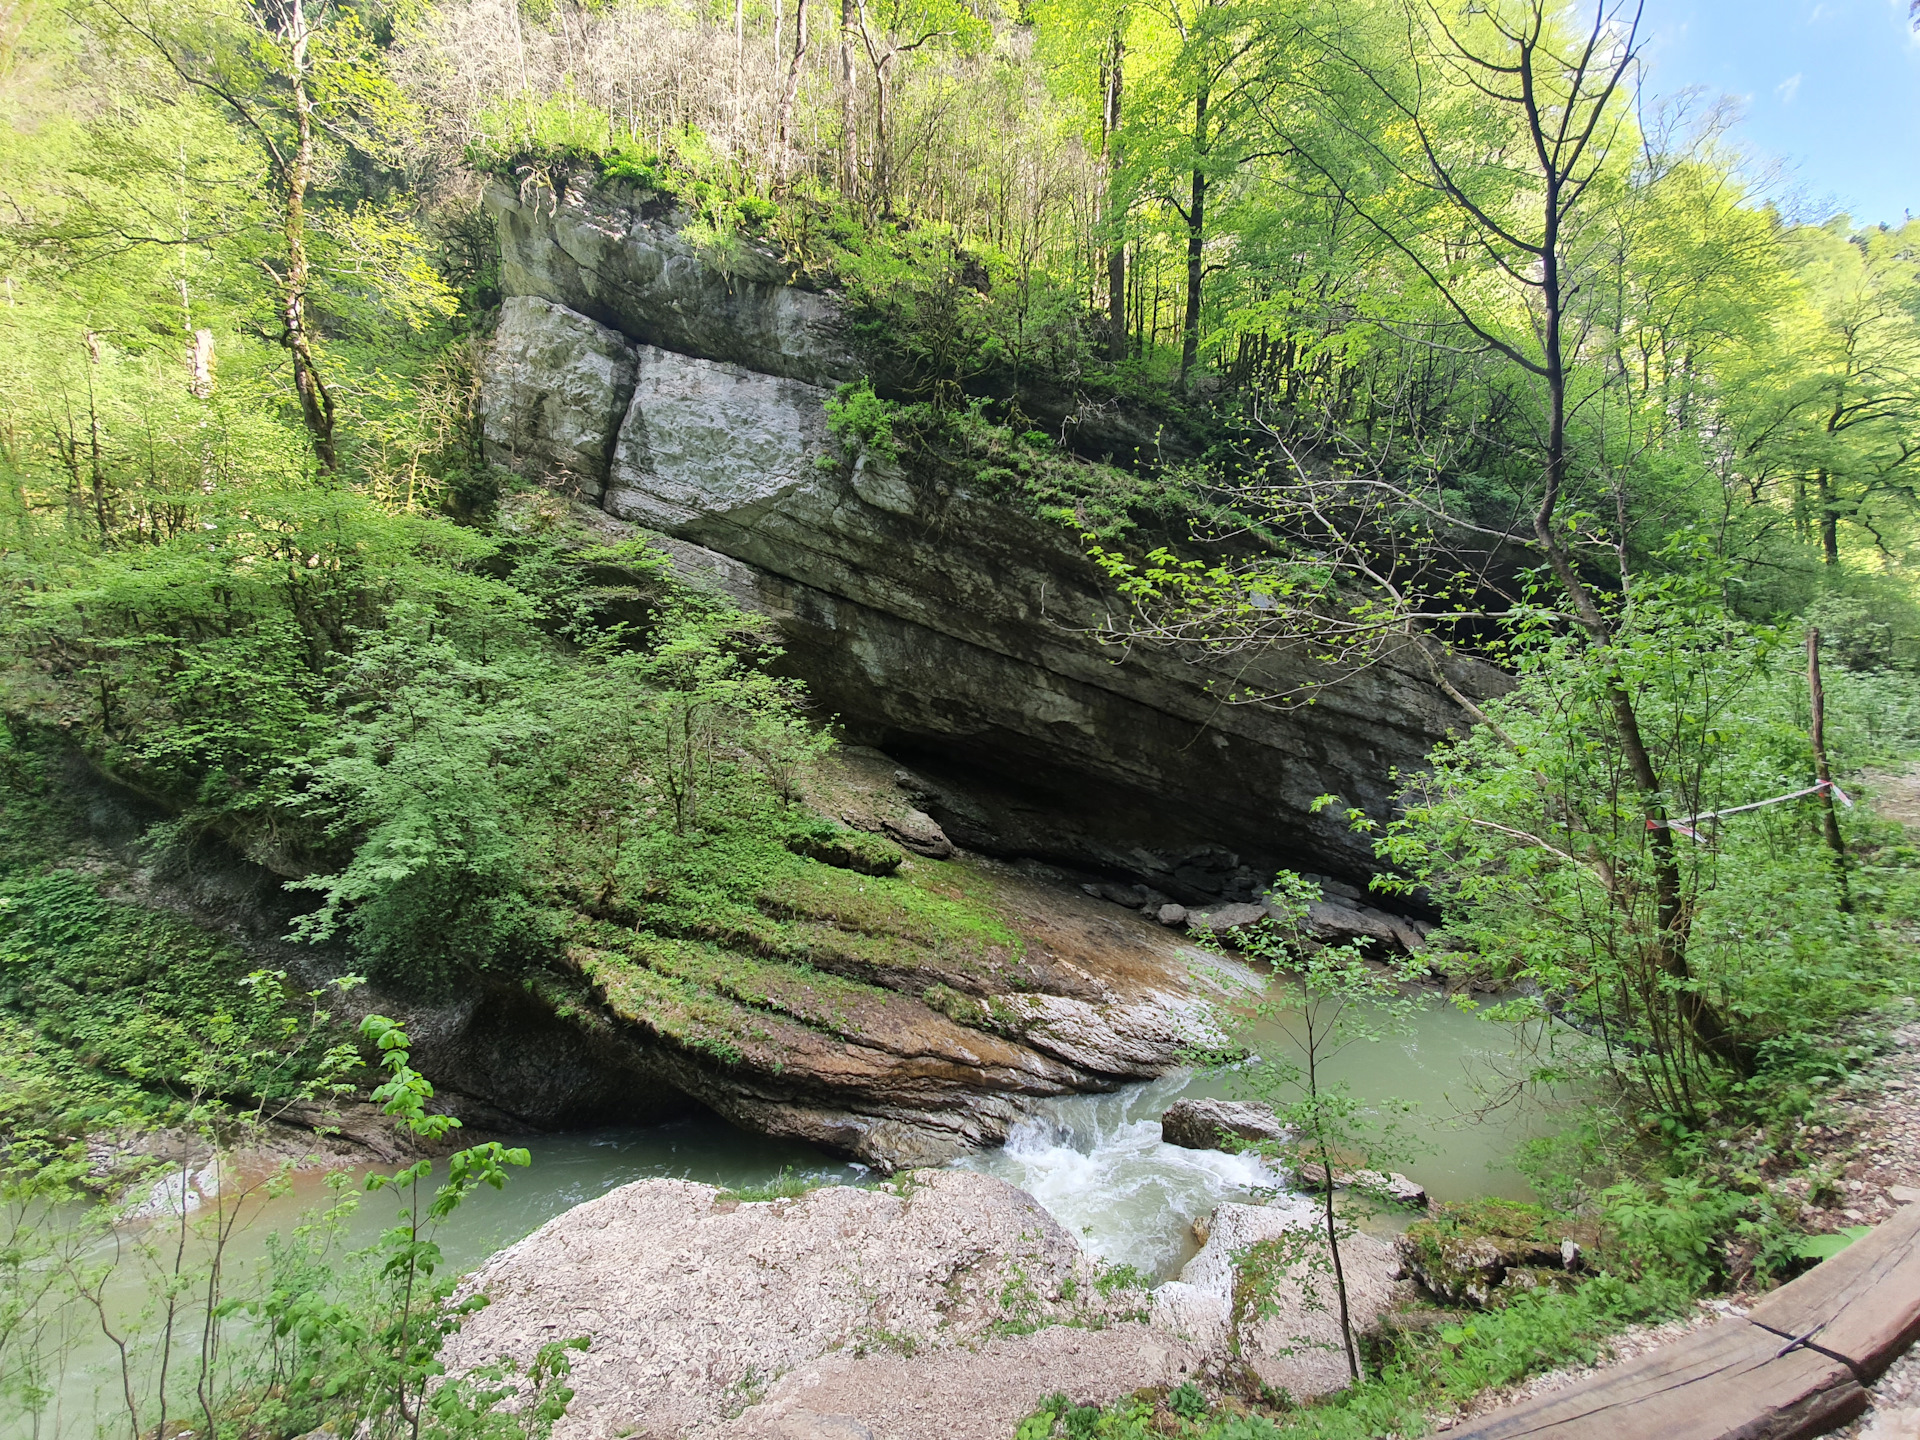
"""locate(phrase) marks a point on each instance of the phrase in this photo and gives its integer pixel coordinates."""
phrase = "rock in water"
(1388, 1185)
(697, 1303)
(1338, 923)
(1207, 1124)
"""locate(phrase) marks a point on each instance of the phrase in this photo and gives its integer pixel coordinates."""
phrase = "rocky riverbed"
(943, 1304)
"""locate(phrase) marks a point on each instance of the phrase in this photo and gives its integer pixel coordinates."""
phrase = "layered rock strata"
(938, 620)
(885, 1046)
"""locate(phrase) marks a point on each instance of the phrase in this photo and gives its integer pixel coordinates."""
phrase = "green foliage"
(1535, 841)
(136, 993)
(1423, 1373)
(784, 1186)
(863, 420)
(356, 1340)
(847, 849)
(1825, 1247)
(121, 1016)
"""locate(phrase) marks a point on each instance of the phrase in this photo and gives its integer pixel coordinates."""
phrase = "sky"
(1829, 89)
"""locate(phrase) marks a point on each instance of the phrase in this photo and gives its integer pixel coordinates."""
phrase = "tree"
(1499, 139)
(1188, 135)
(1530, 835)
(1110, 123)
(789, 91)
(1321, 1001)
(895, 29)
(302, 78)
(1857, 397)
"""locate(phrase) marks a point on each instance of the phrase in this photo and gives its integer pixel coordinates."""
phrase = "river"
(1096, 1162)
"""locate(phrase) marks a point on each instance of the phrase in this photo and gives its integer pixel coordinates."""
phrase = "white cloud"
(1787, 89)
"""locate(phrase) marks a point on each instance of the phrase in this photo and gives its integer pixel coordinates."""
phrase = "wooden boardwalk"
(1797, 1365)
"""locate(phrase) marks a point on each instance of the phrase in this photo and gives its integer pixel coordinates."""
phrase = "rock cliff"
(943, 624)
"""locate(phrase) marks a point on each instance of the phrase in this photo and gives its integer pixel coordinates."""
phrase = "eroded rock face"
(621, 261)
(928, 1055)
(936, 620)
(557, 385)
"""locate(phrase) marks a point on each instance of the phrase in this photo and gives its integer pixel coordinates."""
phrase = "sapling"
(1322, 1000)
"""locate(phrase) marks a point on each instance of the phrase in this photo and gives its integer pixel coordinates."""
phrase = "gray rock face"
(1227, 917)
(934, 619)
(556, 385)
(622, 260)
(1206, 1124)
(1338, 924)
(703, 438)
(1386, 1185)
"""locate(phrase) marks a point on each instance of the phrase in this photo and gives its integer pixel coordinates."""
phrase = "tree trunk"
(96, 439)
(849, 80)
(1829, 518)
(1829, 816)
(882, 178)
(201, 365)
(1116, 210)
(1671, 919)
(783, 138)
(1196, 239)
(316, 405)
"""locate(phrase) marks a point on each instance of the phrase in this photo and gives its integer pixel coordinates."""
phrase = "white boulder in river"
(945, 1304)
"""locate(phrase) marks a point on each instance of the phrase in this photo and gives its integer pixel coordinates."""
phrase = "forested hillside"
(1404, 341)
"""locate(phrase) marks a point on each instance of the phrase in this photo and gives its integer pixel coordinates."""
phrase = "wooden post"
(1829, 817)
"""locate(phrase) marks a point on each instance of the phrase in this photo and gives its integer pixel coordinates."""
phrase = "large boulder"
(1227, 917)
(702, 437)
(1340, 924)
(1216, 1124)
(1260, 1294)
(1482, 1253)
(557, 386)
(696, 1302)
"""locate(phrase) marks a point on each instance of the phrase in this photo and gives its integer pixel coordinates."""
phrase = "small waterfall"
(1098, 1165)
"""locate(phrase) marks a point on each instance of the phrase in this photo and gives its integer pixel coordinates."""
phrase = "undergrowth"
(1421, 1375)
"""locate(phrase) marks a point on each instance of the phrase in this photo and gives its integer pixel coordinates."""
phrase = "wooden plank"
(1863, 1304)
(1727, 1382)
